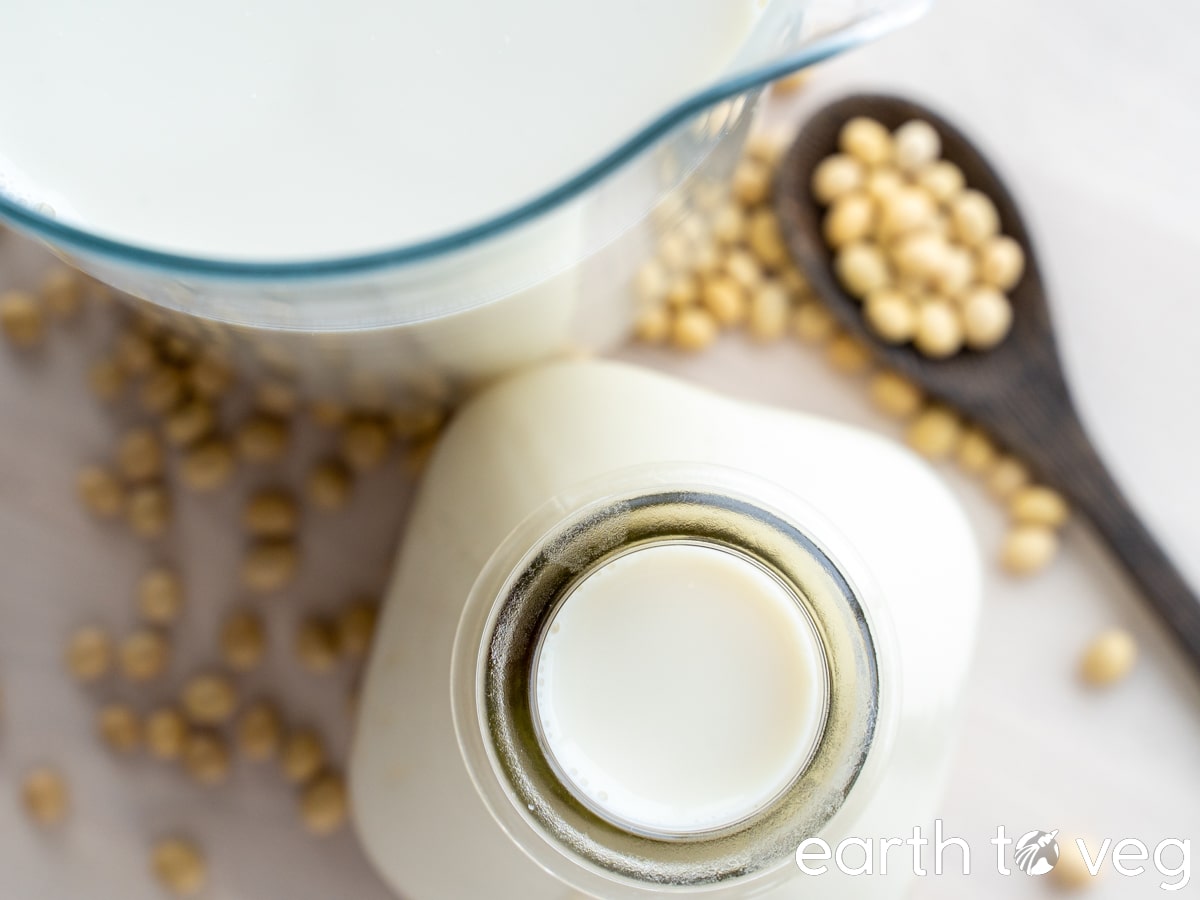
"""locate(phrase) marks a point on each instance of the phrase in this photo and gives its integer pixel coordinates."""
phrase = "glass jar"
(547, 479)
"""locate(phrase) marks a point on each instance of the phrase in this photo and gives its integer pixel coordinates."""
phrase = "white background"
(1090, 109)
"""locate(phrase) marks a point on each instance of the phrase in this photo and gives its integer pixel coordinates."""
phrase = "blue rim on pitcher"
(891, 15)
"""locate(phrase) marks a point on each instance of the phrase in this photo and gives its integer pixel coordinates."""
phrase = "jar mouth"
(501, 632)
(805, 743)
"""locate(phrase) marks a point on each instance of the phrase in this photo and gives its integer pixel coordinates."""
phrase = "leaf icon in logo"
(1036, 853)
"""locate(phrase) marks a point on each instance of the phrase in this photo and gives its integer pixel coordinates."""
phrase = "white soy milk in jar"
(702, 676)
(680, 688)
(294, 129)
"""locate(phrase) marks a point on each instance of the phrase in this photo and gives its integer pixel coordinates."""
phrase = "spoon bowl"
(1016, 391)
(967, 377)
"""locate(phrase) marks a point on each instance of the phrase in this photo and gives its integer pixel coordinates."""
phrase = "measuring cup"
(432, 318)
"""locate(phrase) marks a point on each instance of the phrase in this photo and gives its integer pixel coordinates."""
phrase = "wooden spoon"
(1016, 391)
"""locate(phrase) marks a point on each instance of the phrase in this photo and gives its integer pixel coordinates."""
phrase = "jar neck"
(506, 618)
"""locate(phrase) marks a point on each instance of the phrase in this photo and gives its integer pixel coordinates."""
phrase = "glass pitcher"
(546, 277)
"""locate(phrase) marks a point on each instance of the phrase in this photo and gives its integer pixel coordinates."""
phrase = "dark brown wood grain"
(1016, 391)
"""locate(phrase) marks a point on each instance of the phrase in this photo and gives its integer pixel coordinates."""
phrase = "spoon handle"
(1069, 461)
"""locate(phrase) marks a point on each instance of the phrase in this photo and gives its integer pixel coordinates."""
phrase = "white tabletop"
(1090, 109)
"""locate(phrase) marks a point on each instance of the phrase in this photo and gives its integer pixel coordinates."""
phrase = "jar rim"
(510, 602)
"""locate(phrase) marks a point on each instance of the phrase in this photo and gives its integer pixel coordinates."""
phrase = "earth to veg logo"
(1033, 853)
(1036, 852)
